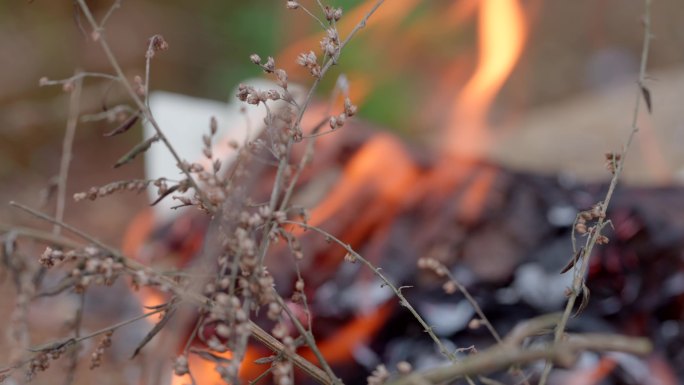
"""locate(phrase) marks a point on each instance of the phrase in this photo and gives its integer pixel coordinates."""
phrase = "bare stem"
(78, 76)
(67, 144)
(73, 354)
(116, 5)
(40, 235)
(313, 16)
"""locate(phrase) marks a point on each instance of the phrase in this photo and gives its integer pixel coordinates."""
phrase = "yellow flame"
(502, 32)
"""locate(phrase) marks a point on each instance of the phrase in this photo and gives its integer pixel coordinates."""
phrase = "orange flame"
(502, 33)
(379, 175)
(340, 347)
(376, 180)
(204, 371)
(474, 197)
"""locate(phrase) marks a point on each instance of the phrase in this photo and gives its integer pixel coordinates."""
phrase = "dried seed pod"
(581, 228)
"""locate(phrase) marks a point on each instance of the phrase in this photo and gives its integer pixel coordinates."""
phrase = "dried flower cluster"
(586, 222)
(330, 44)
(404, 367)
(434, 265)
(339, 120)
(242, 286)
(92, 265)
(104, 343)
(93, 193)
(309, 61)
(283, 373)
(612, 161)
(156, 44)
(39, 363)
(250, 95)
(332, 13)
(180, 366)
(379, 375)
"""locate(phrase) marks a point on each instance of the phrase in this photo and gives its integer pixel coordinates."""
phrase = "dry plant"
(225, 306)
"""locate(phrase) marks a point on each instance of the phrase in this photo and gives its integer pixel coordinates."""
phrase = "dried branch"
(68, 342)
(98, 36)
(500, 357)
(197, 299)
(580, 272)
(309, 338)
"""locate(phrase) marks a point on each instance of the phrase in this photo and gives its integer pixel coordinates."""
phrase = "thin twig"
(77, 76)
(476, 306)
(578, 281)
(67, 144)
(148, 62)
(54, 221)
(116, 5)
(40, 235)
(73, 354)
(308, 337)
(74, 340)
(313, 16)
(109, 114)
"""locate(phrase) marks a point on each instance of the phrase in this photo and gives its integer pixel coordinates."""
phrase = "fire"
(502, 32)
(381, 170)
(473, 199)
(340, 347)
(381, 175)
(204, 371)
